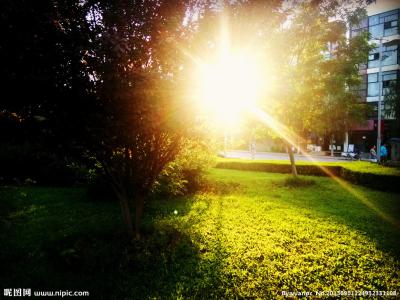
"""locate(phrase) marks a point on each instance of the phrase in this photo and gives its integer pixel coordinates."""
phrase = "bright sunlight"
(230, 85)
(230, 81)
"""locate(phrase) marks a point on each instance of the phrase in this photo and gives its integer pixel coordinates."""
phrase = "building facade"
(383, 25)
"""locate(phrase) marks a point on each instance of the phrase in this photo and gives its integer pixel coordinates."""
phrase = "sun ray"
(217, 82)
(290, 137)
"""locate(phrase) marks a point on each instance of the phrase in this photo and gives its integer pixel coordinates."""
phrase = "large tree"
(141, 116)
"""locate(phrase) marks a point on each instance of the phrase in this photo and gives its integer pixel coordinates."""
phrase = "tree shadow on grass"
(180, 266)
(166, 263)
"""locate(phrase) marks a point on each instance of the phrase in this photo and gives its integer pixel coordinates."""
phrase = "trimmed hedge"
(389, 183)
(313, 170)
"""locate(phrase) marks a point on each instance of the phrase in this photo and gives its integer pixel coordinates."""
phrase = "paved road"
(283, 156)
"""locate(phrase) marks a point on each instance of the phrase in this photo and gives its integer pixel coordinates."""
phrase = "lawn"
(248, 234)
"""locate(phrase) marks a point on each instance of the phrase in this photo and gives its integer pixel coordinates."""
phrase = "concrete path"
(283, 156)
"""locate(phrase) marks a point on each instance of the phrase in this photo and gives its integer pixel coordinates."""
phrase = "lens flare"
(234, 82)
(228, 86)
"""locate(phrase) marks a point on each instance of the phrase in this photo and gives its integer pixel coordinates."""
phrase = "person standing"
(384, 153)
(372, 153)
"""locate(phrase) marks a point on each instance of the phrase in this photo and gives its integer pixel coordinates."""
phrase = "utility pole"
(380, 82)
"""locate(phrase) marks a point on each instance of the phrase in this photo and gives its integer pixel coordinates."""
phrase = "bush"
(182, 176)
(171, 181)
(186, 173)
(388, 183)
(22, 161)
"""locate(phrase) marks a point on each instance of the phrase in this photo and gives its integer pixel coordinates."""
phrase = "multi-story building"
(383, 25)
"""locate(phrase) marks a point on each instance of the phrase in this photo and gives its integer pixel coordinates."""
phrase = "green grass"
(250, 234)
(356, 166)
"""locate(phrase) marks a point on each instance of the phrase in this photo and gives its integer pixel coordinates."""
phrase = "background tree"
(341, 106)
(392, 105)
(309, 91)
(44, 86)
(317, 90)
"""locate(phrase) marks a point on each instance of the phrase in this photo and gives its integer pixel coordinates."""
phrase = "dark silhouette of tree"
(105, 80)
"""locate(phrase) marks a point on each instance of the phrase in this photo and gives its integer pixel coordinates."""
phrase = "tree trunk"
(139, 203)
(126, 215)
(346, 142)
(292, 162)
(331, 142)
(123, 198)
(132, 227)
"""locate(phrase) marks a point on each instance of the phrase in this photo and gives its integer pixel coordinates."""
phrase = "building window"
(373, 85)
(390, 24)
(384, 24)
(373, 56)
(389, 56)
(376, 31)
(387, 79)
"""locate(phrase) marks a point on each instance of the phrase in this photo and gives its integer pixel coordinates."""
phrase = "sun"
(229, 85)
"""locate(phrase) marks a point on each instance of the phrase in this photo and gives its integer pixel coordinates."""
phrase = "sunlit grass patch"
(280, 239)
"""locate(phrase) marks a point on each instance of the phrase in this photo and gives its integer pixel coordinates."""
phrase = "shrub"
(182, 176)
(388, 183)
(171, 181)
(186, 173)
(34, 161)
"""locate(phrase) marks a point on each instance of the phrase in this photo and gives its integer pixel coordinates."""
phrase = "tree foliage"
(392, 103)
(142, 119)
(317, 69)
(320, 79)
(107, 79)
